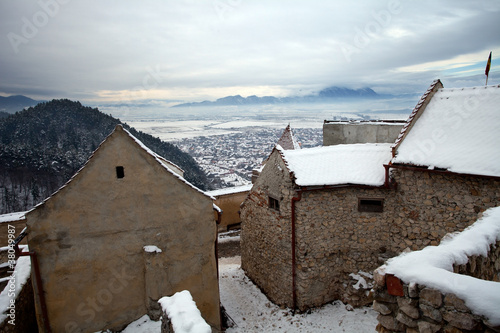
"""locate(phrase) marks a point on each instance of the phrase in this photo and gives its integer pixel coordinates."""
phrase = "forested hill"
(43, 146)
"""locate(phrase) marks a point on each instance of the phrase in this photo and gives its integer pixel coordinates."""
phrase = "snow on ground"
(143, 325)
(250, 309)
(253, 312)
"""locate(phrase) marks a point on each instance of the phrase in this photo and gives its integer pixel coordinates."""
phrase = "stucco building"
(360, 131)
(126, 230)
(229, 201)
(319, 219)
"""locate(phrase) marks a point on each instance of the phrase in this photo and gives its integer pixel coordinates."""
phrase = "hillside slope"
(43, 146)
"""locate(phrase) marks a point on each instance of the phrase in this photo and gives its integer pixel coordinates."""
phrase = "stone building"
(310, 220)
(125, 231)
(317, 218)
(287, 141)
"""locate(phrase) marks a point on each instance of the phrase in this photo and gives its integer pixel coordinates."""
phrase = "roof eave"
(408, 166)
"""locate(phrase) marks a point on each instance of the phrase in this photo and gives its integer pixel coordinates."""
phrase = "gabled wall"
(266, 232)
(89, 239)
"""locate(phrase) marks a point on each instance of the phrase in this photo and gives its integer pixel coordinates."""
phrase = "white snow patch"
(152, 249)
(182, 311)
(230, 190)
(16, 282)
(361, 282)
(10, 217)
(143, 325)
(433, 266)
(360, 164)
(229, 239)
(252, 311)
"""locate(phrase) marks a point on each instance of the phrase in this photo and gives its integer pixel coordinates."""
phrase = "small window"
(120, 172)
(371, 205)
(274, 204)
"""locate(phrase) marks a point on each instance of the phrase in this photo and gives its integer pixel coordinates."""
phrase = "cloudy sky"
(193, 50)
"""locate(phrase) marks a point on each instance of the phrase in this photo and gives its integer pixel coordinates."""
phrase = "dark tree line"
(43, 146)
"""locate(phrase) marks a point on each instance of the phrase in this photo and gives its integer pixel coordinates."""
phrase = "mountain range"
(325, 95)
(12, 104)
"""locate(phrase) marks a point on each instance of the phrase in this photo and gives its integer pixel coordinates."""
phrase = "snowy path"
(253, 312)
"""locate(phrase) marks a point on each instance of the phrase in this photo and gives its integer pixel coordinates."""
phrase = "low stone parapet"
(452, 287)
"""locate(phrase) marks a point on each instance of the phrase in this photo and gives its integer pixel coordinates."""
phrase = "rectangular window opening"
(274, 204)
(120, 172)
(371, 205)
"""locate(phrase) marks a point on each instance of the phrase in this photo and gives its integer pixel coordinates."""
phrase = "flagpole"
(487, 70)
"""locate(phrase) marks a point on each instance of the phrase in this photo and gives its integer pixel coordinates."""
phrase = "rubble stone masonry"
(334, 239)
(423, 309)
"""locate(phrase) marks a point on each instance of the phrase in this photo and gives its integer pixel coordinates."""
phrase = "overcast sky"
(194, 50)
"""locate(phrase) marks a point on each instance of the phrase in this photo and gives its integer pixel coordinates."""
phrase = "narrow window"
(371, 205)
(120, 172)
(274, 204)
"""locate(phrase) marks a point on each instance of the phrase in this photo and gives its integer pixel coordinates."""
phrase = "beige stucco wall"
(89, 238)
(334, 239)
(230, 205)
(13, 226)
(335, 133)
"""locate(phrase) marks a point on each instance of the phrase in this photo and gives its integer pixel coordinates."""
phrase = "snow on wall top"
(230, 190)
(433, 266)
(16, 282)
(183, 313)
(358, 164)
(13, 217)
(457, 131)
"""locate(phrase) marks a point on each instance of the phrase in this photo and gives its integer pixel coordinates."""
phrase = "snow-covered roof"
(357, 164)
(433, 266)
(230, 190)
(457, 130)
(10, 217)
(287, 140)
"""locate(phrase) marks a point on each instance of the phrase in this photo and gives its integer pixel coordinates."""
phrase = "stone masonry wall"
(429, 205)
(423, 309)
(334, 240)
(265, 233)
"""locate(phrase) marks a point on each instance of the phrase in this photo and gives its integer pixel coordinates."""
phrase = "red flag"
(488, 64)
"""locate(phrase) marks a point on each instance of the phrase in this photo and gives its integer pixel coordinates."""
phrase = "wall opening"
(120, 172)
(371, 205)
(274, 204)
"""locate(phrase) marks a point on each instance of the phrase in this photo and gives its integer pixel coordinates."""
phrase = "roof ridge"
(417, 111)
